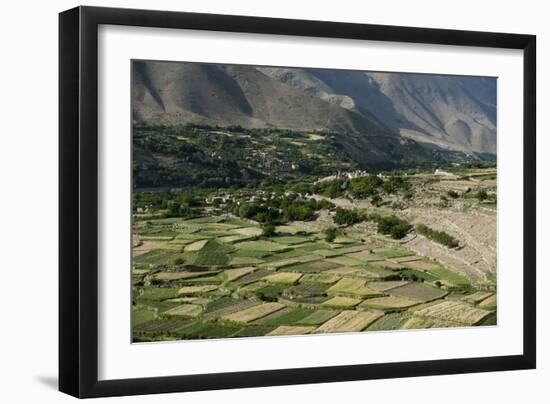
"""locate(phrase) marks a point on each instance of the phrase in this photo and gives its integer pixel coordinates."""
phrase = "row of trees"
(438, 236)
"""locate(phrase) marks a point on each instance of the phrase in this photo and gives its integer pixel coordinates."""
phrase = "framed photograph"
(251, 201)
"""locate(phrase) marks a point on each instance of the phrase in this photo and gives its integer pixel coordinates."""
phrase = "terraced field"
(218, 277)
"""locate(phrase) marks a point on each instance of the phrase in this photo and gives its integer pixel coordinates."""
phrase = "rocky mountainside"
(377, 114)
(451, 112)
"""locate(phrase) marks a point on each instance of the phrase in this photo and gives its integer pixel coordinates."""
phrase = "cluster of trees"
(391, 225)
(362, 187)
(482, 195)
(348, 216)
(281, 209)
(359, 187)
(438, 236)
(331, 189)
(330, 234)
(172, 204)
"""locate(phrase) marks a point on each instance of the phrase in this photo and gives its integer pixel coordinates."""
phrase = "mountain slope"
(181, 93)
(452, 112)
(233, 95)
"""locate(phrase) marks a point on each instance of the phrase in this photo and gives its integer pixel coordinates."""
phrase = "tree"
(330, 234)
(348, 216)
(362, 187)
(392, 225)
(482, 195)
(438, 236)
(331, 188)
(400, 230)
(395, 183)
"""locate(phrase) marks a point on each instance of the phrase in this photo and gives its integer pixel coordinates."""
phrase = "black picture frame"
(78, 201)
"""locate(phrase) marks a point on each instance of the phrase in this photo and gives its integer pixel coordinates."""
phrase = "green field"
(218, 276)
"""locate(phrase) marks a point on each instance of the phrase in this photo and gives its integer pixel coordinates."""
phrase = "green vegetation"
(363, 187)
(481, 195)
(438, 236)
(330, 234)
(239, 231)
(391, 225)
(348, 216)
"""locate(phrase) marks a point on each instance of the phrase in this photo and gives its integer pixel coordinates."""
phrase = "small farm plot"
(383, 286)
(341, 302)
(354, 249)
(318, 317)
(236, 273)
(161, 325)
(477, 297)
(273, 262)
(391, 321)
(454, 311)
(250, 277)
(307, 289)
(323, 252)
(234, 238)
(290, 240)
(289, 278)
(287, 316)
(189, 310)
(387, 265)
(244, 261)
(449, 276)
(344, 260)
(248, 231)
(157, 293)
(407, 259)
(253, 331)
(392, 252)
(324, 278)
(388, 303)
(312, 266)
(196, 246)
(421, 265)
(140, 316)
(260, 245)
(364, 256)
(254, 313)
(417, 291)
(227, 305)
(158, 257)
(291, 330)
(291, 254)
(349, 321)
(417, 323)
(191, 290)
(353, 286)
